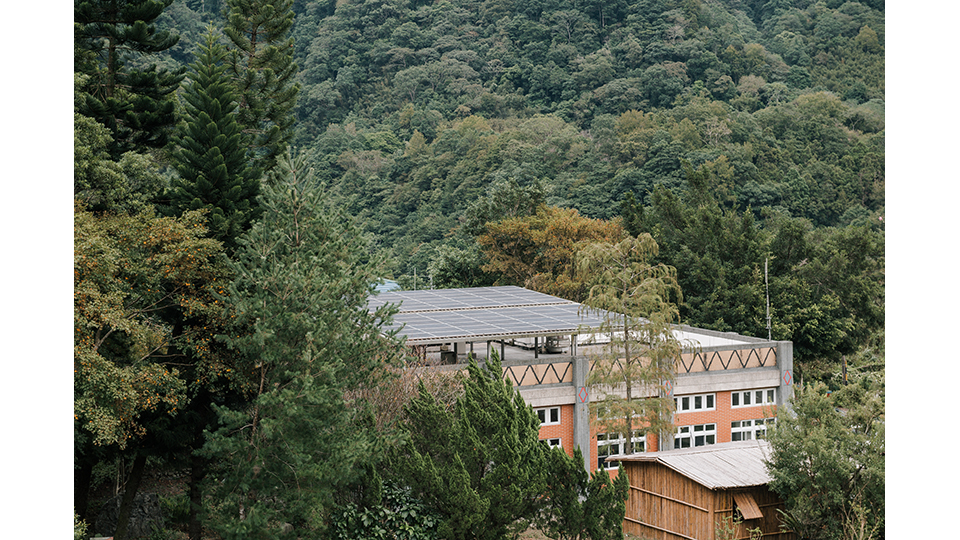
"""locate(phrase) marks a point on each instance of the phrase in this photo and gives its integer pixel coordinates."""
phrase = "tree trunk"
(198, 470)
(81, 488)
(129, 494)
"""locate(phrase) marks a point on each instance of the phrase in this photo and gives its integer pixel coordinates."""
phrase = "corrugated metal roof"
(716, 466)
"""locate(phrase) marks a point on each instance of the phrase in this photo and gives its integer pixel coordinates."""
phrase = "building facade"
(727, 386)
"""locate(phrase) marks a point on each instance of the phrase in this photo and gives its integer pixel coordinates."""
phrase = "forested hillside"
(417, 114)
(244, 170)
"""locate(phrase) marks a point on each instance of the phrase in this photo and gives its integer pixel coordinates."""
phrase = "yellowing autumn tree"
(539, 251)
(145, 296)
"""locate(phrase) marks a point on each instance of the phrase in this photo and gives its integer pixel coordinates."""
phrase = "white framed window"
(698, 435)
(753, 398)
(552, 442)
(549, 416)
(698, 402)
(611, 444)
(748, 430)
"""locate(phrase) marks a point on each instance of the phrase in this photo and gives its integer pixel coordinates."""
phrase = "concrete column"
(581, 409)
(787, 379)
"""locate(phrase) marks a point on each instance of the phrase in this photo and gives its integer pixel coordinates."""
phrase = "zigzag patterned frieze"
(697, 362)
(534, 374)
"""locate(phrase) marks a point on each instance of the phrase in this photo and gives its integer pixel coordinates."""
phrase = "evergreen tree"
(211, 159)
(261, 64)
(481, 465)
(134, 104)
(636, 301)
(305, 337)
(581, 506)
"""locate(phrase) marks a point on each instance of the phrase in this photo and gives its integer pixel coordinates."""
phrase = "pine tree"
(210, 158)
(261, 64)
(304, 338)
(480, 466)
(134, 104)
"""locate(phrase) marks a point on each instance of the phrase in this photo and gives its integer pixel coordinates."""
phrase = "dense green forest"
(416, 114)
(244, 171)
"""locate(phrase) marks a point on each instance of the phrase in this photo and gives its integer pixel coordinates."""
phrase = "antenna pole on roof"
(766, 281)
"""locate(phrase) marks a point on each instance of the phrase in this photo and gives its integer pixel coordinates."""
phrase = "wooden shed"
(684, 494)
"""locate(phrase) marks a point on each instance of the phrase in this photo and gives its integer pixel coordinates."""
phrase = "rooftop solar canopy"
(470, 298)
(444, 315)
(490, 313)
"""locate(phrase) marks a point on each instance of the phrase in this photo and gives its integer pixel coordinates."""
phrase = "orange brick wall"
(723, 415)
(564, 429)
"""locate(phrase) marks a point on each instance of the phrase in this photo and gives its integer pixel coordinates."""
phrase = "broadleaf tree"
(305, 337)
(637, 302)
(144, 293)
(827, 460)
(539, 251)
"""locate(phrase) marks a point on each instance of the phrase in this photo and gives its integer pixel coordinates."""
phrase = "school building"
(727, 386)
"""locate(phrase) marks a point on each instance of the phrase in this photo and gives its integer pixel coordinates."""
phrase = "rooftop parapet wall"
(545, 370)
(726, 358)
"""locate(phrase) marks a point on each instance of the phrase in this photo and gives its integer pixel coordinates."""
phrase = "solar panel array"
(445, 315)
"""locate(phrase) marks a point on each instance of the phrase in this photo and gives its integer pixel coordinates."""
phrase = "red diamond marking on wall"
(787, 377)
(582, 394)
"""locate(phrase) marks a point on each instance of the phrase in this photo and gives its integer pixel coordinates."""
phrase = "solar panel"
(468, 298)
(443, 315)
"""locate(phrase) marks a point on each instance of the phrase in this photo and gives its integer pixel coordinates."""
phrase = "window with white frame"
(611, 444)
(549, 416)
(747, 430)
(698, 435)
(552, 442)
(752, 398)
(699, 402)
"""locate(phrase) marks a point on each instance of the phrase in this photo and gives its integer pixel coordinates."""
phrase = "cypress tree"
(480, 466)
(261, 64)
(210, 158)
(133, 103)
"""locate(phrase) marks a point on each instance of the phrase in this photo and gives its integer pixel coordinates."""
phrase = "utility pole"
(766, 281)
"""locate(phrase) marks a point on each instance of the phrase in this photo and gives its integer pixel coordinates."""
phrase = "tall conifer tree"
(636, 300)
(304, 338)
(134, 104)
(211, 159)
(261, 63)
(481, 465)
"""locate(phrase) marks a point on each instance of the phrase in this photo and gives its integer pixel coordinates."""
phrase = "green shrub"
(79, 528)
(398, 517)
(175, 508)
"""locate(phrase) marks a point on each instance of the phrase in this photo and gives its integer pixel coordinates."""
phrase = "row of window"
(752, 398)
(704, 434)
(550, 416)
(707, 402)
(611, 444)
